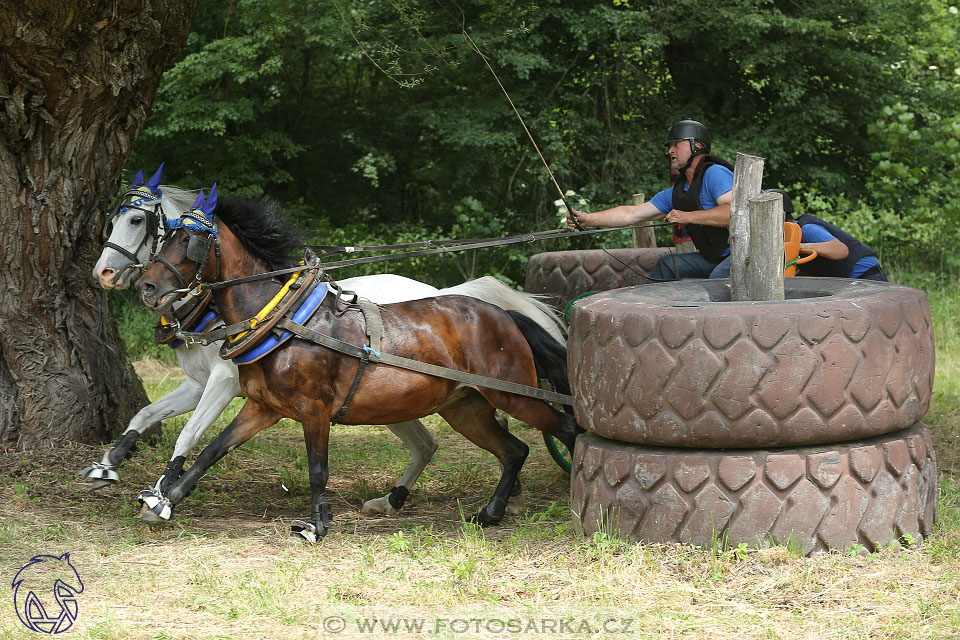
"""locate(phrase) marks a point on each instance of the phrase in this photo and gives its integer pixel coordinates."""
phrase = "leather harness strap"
(186, 316)
(423, 367)
(373, 324)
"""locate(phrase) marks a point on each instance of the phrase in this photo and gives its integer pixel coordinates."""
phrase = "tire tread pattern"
(752, 374)
(875, 492)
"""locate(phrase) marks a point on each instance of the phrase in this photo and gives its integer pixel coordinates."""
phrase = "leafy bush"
(135, 324)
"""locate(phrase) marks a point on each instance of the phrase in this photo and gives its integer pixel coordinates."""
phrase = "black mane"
(262, 229)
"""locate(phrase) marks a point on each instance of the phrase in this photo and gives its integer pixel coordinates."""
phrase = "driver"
(699, 199)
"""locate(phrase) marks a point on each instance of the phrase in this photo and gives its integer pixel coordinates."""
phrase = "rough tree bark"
(77, 80)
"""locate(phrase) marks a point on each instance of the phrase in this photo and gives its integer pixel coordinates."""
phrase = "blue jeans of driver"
(674, 266)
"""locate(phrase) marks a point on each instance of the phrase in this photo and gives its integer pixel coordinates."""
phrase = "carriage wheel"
(559, 452)
(680, 365)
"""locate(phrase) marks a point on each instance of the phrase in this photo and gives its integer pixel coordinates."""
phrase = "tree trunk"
(77, 80)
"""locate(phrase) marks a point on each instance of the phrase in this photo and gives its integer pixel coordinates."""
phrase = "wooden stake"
(643, 238)
(747, 177)
(765, 271)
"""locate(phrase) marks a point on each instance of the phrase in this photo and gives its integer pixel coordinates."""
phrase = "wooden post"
(765, 271)
(643, 238)
(747, 177)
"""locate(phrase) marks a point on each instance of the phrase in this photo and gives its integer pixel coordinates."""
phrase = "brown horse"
(309, 383)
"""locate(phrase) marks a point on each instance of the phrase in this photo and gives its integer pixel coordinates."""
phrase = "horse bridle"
(154, 220)
(198, 250)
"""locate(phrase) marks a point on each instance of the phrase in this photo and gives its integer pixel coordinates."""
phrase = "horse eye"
(136, 220)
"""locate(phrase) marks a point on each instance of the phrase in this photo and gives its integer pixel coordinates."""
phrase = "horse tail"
(549, 355)
(492, 290)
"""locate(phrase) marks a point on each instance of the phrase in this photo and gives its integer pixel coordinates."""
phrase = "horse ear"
(211, 202)
(137, 179)
(65, 556)
(154, 182)
(198, 202)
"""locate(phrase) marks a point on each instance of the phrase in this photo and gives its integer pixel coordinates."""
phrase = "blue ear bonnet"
(200, 216)
(141, 193)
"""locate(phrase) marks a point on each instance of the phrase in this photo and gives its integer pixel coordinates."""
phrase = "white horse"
(135, 234)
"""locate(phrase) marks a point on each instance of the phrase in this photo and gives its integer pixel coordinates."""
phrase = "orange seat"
(791, 249)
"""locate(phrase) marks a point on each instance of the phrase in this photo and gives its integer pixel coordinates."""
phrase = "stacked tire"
(794, 422)
(565, 275)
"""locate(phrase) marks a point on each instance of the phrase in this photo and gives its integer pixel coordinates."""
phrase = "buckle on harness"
(190, 338)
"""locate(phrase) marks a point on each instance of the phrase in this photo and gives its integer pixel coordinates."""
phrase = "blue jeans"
(674, 266)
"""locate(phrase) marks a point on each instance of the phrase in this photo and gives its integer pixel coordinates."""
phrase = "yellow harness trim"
(263, 313)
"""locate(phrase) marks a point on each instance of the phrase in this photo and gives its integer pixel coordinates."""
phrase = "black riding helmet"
(787, 203)
(694, 132)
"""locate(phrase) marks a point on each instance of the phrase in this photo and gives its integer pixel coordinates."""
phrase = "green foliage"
(135, 323)
(379, 120)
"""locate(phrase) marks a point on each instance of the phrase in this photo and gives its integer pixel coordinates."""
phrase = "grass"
(225, 567)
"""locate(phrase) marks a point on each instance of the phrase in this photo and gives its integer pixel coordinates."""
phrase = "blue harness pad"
(200, 327)
(301, 315)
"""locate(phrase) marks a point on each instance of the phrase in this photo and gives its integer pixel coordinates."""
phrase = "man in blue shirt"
(699, 199)
(839, 255)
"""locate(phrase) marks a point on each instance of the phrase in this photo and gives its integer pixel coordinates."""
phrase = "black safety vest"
(711, 241)
(834, 268)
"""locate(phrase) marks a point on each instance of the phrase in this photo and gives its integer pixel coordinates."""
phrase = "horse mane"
(176, 201)
(261, 228)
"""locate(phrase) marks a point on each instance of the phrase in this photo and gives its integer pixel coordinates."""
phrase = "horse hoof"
(100, 475)
(156, 507)
(378, 507)
(485, 520)
(146, 515)
(307, 531)
(514, 506)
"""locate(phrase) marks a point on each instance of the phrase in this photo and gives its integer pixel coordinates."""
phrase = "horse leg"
(538, 414)
(422, 446)
(316, 435)
(516, 504)
(473, 417)
(253, 418)
(182, 399)
(222, 387)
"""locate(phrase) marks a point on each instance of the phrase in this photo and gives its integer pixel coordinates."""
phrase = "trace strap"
(423, 367)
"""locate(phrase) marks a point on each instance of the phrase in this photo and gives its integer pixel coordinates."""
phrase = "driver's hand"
(573, 218)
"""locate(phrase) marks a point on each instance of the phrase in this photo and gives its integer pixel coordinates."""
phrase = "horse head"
(134, 230)
(40, 583)
(183, 261)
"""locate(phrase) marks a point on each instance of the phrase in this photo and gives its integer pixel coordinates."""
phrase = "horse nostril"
(147, 290)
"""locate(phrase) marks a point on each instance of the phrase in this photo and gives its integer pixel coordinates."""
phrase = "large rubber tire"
(564, 275)
(676, 365)
(876, 492)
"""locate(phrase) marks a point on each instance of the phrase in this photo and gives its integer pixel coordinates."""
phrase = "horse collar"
(189, 316)
(300, 296)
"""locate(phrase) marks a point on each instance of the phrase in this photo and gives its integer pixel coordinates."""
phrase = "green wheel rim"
(559, 452)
